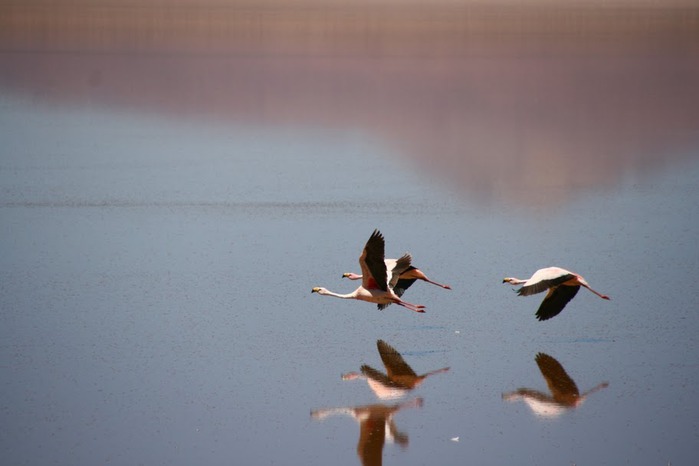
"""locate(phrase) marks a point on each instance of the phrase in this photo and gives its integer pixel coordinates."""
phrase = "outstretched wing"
(401, 266)
(371, 261)
(555, 301)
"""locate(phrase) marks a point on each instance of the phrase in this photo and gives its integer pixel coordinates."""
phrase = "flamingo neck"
(338, 295)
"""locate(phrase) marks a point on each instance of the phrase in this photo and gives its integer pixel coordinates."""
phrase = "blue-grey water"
(159, 249)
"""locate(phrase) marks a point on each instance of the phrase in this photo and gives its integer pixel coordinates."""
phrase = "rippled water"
(164, 216)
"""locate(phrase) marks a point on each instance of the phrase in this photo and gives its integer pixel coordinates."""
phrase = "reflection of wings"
(380, 377)
(372, 436)
(394, 362)
(399, 378)
(560, 384)
(555, 300)
(564, 391)
(375, 424)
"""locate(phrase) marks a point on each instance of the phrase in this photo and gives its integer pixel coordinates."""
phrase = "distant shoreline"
(332, 28)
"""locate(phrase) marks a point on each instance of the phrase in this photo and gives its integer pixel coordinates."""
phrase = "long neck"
(352, 295)
(517, 281)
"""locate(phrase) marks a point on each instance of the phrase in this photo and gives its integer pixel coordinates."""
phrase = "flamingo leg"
(603, 296)
(595, 389)
(438, 284)
(412, 307)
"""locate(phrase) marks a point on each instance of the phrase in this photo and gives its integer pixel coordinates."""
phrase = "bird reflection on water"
(399, 378)
(376, 421)
(564, 392)
(376, 426)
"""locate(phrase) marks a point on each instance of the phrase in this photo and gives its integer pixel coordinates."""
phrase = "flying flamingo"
(564, 393)
(377, 281)
(399, 379)
(562, 286)
(405, 279)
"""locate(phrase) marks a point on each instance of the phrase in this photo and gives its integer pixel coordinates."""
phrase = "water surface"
(165, 214)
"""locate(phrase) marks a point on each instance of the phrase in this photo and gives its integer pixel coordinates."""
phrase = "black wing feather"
(555, 301)
(374, 259)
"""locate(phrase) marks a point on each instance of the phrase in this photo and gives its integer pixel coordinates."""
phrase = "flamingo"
(562, 286)
(564, 392)
(377, 280)
(399, 378)
(405, 280)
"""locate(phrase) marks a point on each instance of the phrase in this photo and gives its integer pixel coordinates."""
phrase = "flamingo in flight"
(399, 379)
(378, 281)
(564, 392)
(562, 286)
(405, 280)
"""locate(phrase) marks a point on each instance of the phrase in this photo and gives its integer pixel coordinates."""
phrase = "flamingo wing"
(555, 301)
(400, 266)
(404, 283)
(374, 275)
(560, 384)
(393, 361)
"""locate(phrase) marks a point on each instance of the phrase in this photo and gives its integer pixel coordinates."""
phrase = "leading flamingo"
(377, 280)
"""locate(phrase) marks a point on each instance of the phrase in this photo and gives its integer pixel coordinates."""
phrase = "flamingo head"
(319, 290)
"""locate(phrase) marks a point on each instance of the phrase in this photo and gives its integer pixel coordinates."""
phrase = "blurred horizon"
(497, 98)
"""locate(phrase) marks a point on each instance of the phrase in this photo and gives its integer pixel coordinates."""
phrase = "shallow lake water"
(164, 217)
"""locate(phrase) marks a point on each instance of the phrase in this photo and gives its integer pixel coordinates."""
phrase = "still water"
(167, 202)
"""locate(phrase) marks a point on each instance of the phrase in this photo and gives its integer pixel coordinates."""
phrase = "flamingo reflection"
(399, 378)
(564, 393)
(376, 426)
